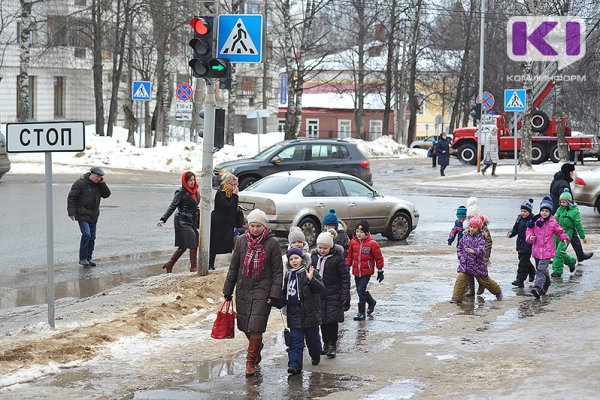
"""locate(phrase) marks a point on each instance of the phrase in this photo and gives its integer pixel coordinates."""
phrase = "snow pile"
(176, 156)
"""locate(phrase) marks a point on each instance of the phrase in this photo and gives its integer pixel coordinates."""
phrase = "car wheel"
(554, 156)
(598, 204)
(247, 181)
(538, 153)
(399, 226)
(311, 229)
(467, 154)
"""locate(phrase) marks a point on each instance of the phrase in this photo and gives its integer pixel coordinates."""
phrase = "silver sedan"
(586, 190)
(302, 198)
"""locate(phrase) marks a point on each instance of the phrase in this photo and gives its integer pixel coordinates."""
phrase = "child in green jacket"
(569, 218)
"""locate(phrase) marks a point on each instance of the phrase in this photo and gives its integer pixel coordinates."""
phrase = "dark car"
(4, 162)
(299, 154)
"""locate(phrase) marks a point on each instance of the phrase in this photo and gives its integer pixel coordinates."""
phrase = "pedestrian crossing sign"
(514, 100)
(141, 90)
(240, 37)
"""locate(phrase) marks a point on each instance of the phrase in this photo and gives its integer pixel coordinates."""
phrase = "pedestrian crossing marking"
(141, 92)
(515, 101)
(238, 41)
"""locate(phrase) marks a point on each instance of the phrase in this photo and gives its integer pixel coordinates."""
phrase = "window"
(421, 104)
(312, 128)
(344, 128)
(80, 2)
(247, 88)
(59, 96)
(356, 189)
(324, 188)
(375, 128)
(281, 125)
(320, 152)
(275, 184)
(293, 153)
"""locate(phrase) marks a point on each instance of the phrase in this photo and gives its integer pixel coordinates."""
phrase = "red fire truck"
(544, 142)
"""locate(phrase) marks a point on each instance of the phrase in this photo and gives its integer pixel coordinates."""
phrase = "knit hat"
(473, 207)
(566, 195)
(330, 218)
(296, 235)
(461, 212)
(567, 168)
(258, 216)
(294, 250)
(363, 226)
(527, 205)
(97, 171)
(547, 204)
(325, 239)
(476, 221)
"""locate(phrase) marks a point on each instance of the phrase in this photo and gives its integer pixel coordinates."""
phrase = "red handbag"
(224, 326)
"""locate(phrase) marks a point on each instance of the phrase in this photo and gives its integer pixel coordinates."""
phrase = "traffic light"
(476, 112)
(219, 68)
(202, 47)
(219, 140)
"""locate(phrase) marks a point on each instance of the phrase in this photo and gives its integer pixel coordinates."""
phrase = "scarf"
(293, 287)
(321, 263)
(193, 191)
(255, 254)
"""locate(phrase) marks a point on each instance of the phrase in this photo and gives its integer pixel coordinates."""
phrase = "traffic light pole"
(210, 104)
(480, 97)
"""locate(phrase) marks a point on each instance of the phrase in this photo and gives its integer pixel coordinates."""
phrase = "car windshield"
(268, 153)
(275, 184)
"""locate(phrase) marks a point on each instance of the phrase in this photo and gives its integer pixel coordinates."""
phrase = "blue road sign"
(515, 100)
(141, 90)
(184, 91)
(240, 38)
(487, 100)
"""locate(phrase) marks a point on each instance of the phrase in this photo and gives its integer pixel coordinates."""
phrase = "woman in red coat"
(364, 255)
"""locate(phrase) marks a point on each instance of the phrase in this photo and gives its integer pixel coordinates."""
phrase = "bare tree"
(27, 26)
(414, 46)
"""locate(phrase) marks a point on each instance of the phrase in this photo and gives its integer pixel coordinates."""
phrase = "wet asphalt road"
(129, 247)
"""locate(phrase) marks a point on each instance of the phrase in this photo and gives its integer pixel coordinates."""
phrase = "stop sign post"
(47, 137)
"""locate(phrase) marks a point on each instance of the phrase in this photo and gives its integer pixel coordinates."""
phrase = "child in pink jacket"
(540, 233)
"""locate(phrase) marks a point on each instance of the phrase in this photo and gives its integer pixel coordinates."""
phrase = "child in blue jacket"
(457, 230)
(525, 268)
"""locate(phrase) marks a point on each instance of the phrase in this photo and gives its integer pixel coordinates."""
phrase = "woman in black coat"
(443, 152)
(186, 202)
(327, 259)
(223, 218)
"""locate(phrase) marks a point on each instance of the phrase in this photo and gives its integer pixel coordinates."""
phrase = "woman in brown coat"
(256, 272)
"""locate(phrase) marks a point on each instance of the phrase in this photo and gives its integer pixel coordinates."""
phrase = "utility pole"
(481, 60)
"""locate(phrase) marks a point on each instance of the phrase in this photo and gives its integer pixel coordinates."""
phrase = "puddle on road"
(404, 389)
(84, 285)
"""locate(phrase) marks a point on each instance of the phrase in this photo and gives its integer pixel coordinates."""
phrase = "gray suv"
(4, 162)
(299, 154)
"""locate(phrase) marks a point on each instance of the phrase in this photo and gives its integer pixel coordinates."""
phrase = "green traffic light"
(218, 67)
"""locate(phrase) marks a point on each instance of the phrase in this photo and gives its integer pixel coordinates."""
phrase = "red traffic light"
(199, 25)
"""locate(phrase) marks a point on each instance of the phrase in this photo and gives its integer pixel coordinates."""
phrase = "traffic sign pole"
(515, 134)
(50, 238)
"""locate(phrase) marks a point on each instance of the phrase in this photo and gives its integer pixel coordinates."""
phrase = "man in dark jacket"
(83, 206)
(562, 180)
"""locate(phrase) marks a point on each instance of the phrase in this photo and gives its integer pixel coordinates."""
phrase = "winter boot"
(494, 170)
(194, 260)
(325, 347)
(258, 356)
(371, 302)
(361, 312)
(253, 350)
(331, 350)
(174, 257)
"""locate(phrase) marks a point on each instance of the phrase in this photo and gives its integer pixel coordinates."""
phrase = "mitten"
(346, 304)
(275, 302)
(380, 275)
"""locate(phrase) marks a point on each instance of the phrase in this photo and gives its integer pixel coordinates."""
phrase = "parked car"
(424, 143)
(586, 190)
(299, 154)
(302, 198)
(4, 161)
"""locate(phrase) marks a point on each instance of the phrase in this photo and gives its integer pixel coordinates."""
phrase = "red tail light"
(579, 182)
(270, 208)
(365, 164)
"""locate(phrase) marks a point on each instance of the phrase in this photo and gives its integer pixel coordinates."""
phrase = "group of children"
(317, 286)
(544, 236)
